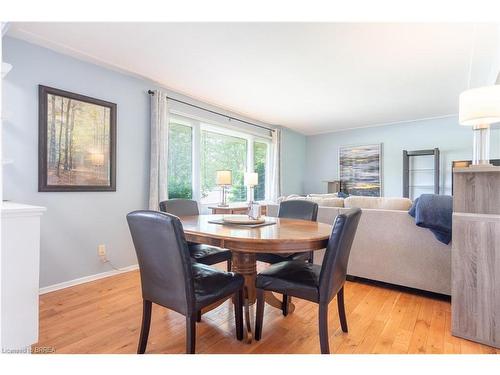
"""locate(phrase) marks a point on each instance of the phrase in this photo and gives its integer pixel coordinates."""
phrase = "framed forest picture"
(76, 141)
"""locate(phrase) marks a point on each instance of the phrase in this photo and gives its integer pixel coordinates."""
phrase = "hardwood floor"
(104, 317)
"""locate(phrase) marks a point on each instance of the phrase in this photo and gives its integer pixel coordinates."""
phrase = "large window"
(180, 146)
(260, 154)
(222, 152)
(198, 150)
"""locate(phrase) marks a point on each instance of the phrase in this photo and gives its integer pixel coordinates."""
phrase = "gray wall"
(453, 140)
(293, 155)
(75, 223)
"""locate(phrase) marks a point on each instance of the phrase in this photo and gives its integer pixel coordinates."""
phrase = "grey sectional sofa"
(389, 247)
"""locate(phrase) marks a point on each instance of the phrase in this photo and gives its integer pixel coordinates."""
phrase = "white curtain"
(276, 166)
(158, 188)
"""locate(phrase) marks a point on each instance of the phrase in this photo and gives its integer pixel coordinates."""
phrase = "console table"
(476, 255)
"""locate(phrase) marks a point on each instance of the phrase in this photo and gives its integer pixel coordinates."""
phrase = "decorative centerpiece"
(251, 179)
(242, 220)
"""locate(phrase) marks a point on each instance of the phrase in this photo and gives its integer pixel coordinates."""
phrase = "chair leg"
(285, 304)
(323, 328)
(229, 265)
(310, 259)
(259, 318)
(238, 313)
(190, 334)
(340, 303)
(146, 323)
(198, 316)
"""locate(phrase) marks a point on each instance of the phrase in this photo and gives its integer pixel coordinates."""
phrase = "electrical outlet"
(101, 251)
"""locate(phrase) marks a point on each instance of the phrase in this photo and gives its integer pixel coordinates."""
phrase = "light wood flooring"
(104, 317)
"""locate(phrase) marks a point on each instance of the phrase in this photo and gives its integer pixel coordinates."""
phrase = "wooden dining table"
(281, 237)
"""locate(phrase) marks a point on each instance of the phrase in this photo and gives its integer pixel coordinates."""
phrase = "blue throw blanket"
(434, 212)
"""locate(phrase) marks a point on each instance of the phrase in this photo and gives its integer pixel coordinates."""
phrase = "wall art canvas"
(360, 170)
(77, 142)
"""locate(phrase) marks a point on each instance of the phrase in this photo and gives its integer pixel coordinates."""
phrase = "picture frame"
(360, 169)
(76, 142)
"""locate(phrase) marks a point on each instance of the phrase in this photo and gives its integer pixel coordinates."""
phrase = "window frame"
(197, 125)
(267, 186)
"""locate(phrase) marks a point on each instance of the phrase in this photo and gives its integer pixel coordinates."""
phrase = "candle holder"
(251, 179)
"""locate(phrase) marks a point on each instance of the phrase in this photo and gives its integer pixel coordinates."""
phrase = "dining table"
(276, 235)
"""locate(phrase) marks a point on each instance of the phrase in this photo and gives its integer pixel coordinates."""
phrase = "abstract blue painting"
(360, 169)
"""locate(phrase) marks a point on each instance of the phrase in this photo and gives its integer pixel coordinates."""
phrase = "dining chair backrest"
(334, 267)
(163, 257)
(298, 209)
(180, 207)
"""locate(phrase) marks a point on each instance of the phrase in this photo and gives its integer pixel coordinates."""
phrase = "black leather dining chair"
(170, 279)
(201, 253)
(312, 282)
(293, 209)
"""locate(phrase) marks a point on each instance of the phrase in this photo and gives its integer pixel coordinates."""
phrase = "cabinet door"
(476, 278)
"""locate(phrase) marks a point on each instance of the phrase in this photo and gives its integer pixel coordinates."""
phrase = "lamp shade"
(480, 106)
(251, 179)
(224, 178)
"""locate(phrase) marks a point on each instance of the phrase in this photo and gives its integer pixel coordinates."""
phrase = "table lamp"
(223, 179)
(251, 179)
(479, 108)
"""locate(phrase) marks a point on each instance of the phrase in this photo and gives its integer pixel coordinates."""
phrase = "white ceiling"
(311, 77)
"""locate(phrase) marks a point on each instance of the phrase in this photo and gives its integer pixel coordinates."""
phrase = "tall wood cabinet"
(476, 255)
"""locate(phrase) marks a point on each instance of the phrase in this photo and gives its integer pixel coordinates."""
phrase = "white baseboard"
(86, 279)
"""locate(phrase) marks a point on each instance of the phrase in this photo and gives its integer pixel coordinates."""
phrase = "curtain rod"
(150, 92)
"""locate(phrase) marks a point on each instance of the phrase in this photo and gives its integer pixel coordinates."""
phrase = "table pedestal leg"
(272, 300)
(246, 265)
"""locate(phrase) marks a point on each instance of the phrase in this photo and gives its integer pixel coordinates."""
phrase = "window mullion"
(267, 186)
(250, 162)
(196, 179)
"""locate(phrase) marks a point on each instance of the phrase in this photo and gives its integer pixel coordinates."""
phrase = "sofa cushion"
(327, 195)
(287, 197)
(401, 204)
(328, 202)
(322, 202)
